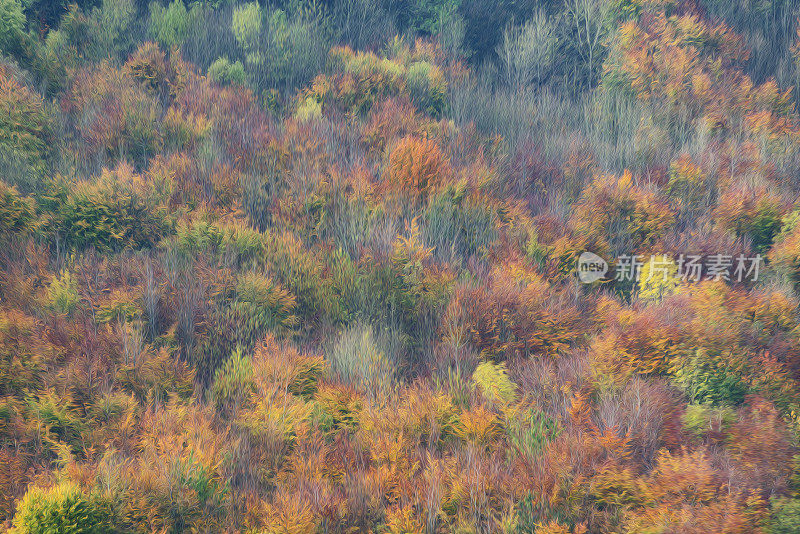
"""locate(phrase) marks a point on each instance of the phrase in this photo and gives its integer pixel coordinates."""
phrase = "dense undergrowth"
(311, 267)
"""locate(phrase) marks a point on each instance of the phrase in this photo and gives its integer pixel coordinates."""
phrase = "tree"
(12, 23)
(590, 19)
(528, 51)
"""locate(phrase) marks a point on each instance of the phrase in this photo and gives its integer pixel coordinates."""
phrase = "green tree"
(12, 24)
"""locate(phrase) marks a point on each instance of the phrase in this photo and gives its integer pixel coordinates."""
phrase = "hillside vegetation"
(318, 267)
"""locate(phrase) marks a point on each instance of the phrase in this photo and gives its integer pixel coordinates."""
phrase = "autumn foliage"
(270, 269)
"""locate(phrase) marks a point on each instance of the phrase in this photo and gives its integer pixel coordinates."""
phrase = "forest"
(400, 266)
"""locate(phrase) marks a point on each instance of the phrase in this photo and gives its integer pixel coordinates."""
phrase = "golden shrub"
(417, 165)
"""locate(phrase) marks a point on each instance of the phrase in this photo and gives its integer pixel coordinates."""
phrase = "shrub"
(12, 24)
(687, 182)
(658, 278)
(404, 521)
(460, 223)
(698, 419)
(785, 254)
(415, 287)
(359, 359)
(530, 430)
(233, 381)
(161, 75)
(114, 116)
(309, 109)
(479, 426)
(709, 376)
(510, 317)
(185, 131)
(261, 306)
(282, 364)
(785, 517)
(16, 212)
(417, 165)
(528, 52)
(159, 374)
(223, 72)
(282, 49)
(247, 24)
(111, 27)
(261, 185)
(493, 382)
(108, 217)
(25, 132)
(120, 307)
(631, 218)
(427, 87)
(275, 421)
(170, 25)
(301, 42)
(242, 242)
(366, 78)
(756, 215)
(62, 508)
(421, 16)
(59, 418)
(304, 273)
(63, 293)
(24, 354)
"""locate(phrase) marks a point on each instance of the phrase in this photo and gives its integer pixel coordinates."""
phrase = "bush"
(62, 508)
(26, 141)
(261, 306)
(12, 25)
(423, 16)
(282, 49)
(785, 253)
(116, 117)
(303, 272)
(233, 381)
(427, 87)
(109, 218)
(24, 354)
(708, 376)
(359, 359)
(309, 109)
(16, 213)
(282, 364)
(417, 165)
(365, 79)
(459, 223)
(119, 307)
(757, 215)
(530, 430)
(493, 382)
(247, 25)
(223, 72)
(59, 418)
(111, 26)
(63, 293)
(170, 25)
(528, 52)
(698, 419)
(687, 183)
(658, 278)
(785, 517)
(631, 218)
(161, 75)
